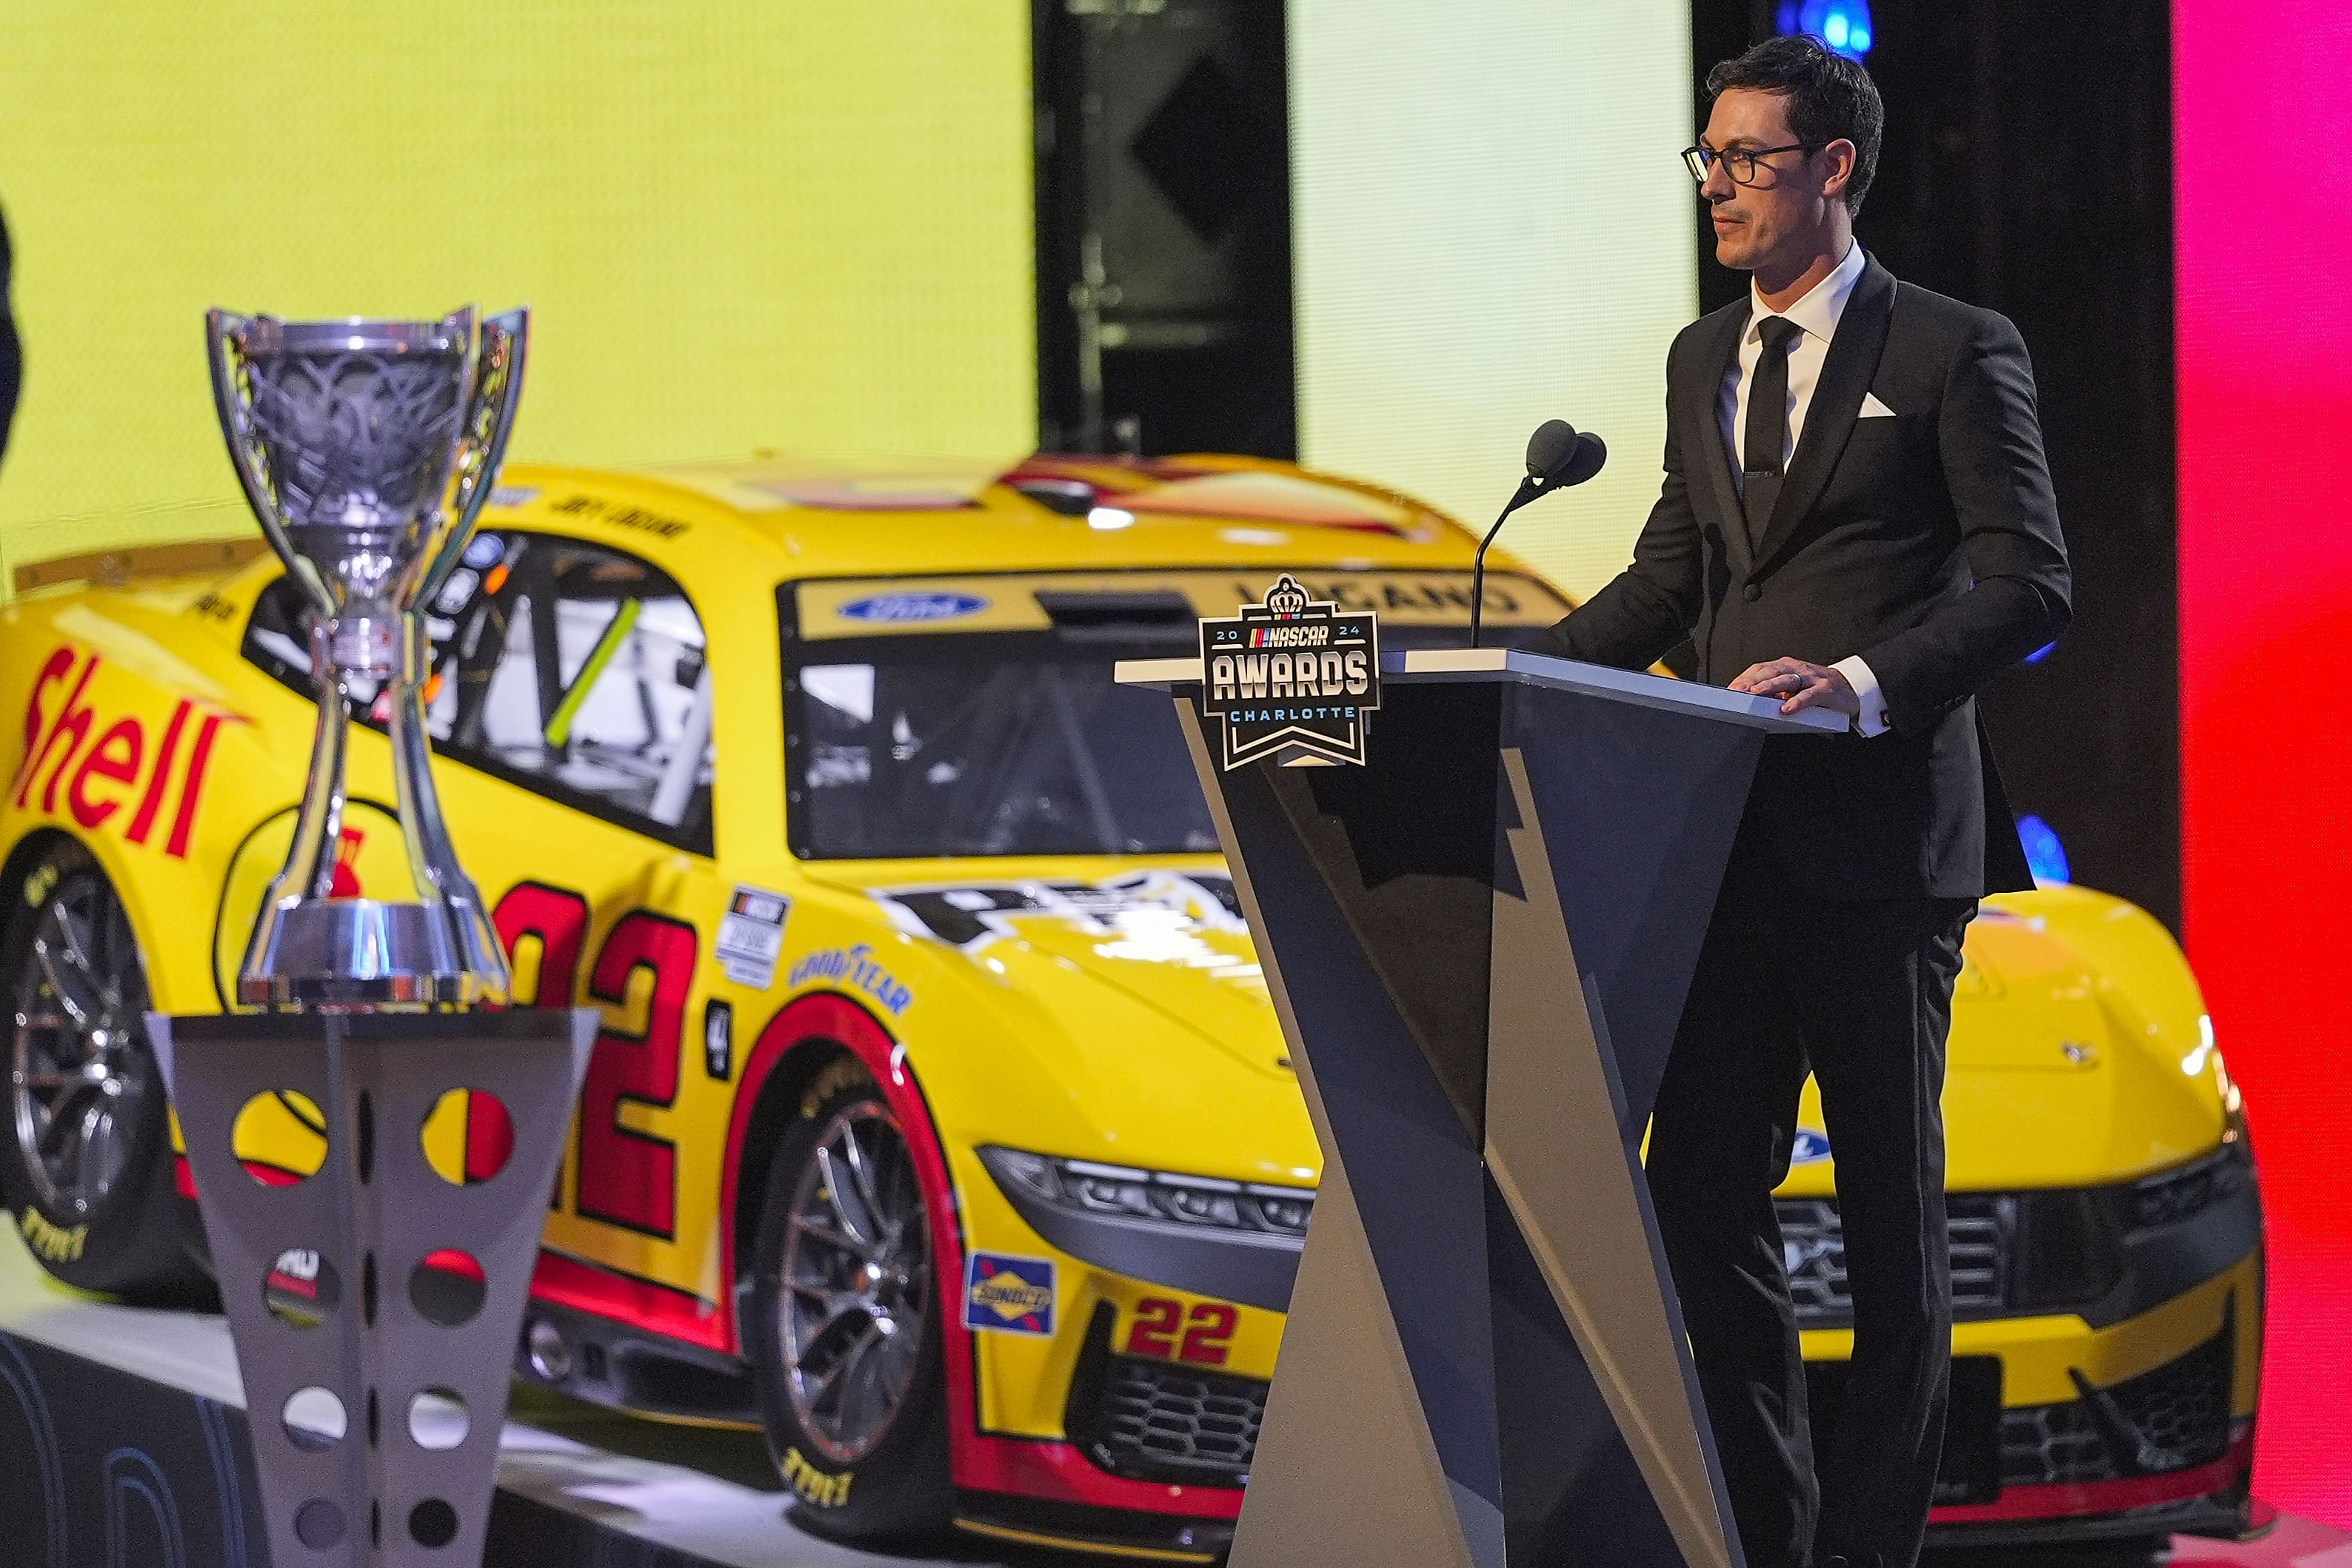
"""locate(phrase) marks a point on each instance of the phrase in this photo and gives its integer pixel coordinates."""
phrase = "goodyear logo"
(1810, 1148)
(52, 1242)
(897, 609)
(814, 1486)
(1010, 1295)
(854, 968)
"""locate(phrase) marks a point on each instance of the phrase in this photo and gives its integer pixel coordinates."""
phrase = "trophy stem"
(433, 863)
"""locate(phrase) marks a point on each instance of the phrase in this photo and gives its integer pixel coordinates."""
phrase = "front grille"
(1812, 1248)
(2048, 1445)
(2175, 1417)
(1160, 1421)
(2182, 1408)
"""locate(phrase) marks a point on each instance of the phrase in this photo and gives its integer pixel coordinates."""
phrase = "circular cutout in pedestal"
(301, 1288)
(318, 1524)
(281, 1138)
(448, 1287)
(438, 1419)
(314, 1419)
(433, 1523)
(468, 1137)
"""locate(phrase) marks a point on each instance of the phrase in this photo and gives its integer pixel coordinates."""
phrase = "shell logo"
(105, 773)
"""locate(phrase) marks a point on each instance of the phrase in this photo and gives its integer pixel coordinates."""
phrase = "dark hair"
(1830, 98)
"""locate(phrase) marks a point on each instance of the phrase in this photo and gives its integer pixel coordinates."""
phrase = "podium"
(1479, 946)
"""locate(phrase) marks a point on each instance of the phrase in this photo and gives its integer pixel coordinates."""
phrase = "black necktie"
(1767, 425)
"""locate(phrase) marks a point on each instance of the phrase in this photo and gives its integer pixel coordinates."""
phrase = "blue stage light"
(1842, 24)
(2042, 652)
(2044, 853)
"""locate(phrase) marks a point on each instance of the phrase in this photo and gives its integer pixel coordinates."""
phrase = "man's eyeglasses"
(1739, 162)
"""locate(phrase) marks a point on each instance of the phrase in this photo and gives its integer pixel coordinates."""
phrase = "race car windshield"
(959, 749)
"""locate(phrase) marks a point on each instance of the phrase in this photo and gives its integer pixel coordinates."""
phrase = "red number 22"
(1205, 1342)
(626, 1177)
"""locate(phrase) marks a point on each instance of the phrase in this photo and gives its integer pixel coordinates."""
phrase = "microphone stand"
(1529, 488)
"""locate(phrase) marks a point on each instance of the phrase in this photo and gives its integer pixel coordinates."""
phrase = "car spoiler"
(117, 567)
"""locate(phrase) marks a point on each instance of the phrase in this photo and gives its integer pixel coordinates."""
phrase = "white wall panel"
(1492, 228)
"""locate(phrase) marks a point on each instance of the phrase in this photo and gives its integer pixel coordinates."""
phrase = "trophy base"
(359, 953)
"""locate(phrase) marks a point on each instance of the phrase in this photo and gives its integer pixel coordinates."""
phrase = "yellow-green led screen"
(1492, 228)
(804, 226)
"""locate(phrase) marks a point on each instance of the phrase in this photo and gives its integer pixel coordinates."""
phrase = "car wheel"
(85, 1153)
(843, 1326)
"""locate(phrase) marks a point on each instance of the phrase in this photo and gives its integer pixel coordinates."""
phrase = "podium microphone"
(1556, 457)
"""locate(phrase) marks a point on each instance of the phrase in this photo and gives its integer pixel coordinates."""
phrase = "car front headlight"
(1084, 1186)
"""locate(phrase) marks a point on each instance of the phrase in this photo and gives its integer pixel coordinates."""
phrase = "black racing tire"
(86, 1152)
(864, 1450)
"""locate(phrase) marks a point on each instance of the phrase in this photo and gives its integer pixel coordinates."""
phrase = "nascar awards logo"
(1295, 679)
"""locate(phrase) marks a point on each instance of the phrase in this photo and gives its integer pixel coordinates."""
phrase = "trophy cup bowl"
(367, 449)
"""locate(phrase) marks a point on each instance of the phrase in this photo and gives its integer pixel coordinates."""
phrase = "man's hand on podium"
(1800, 685)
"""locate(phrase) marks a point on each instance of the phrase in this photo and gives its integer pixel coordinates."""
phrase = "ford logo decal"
(1811, 1148)
(899, 608)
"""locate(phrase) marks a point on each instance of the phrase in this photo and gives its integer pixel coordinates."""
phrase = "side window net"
(572, 670)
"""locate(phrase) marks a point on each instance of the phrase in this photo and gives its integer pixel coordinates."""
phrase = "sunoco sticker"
(751, 937)
(1010, 1295)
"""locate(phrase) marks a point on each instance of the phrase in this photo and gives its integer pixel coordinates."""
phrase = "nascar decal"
(855, 968)
(105, 771)
(751, 937)
(1295, 679)
(1006, 1294)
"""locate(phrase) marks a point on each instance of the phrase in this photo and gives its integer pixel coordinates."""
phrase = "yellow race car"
(940, 1125)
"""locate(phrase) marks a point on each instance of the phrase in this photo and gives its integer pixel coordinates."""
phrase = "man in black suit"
(1856, 516)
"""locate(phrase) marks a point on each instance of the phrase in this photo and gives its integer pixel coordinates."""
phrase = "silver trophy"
(367, 450)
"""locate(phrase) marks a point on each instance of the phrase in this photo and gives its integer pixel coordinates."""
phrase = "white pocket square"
(1874, 409)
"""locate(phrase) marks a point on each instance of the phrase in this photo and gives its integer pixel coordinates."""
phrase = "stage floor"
(690, 1497)
(717, 1502)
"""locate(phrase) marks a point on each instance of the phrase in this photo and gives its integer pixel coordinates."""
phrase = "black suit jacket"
(1927, 542)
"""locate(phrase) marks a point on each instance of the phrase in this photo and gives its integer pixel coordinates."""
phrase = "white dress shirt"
(1817, 313)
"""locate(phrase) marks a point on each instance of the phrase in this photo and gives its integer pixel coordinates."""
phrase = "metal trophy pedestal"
(422, 1380)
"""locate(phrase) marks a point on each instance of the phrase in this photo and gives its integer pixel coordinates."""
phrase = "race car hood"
(1143, 988)
(2080, 1053)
